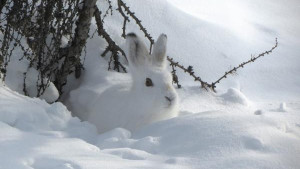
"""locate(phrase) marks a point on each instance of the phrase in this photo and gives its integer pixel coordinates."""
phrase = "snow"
(282, 107)
(15, 78)
(38, 135)
(252, 121)
(235, 96)
(239, 29)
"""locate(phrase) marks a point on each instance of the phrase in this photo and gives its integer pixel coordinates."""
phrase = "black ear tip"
(131, 35)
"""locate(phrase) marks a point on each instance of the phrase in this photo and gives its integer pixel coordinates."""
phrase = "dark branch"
(112, 46)
(189, 70)
(174, 76)
(234, 69)
(138, 22)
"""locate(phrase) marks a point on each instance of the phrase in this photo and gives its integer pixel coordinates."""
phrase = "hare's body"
(122, 109)
(148, 97)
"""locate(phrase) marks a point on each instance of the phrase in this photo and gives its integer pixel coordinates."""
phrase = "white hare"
(150, 96)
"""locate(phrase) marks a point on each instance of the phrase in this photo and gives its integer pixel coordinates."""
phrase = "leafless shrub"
(43, 24)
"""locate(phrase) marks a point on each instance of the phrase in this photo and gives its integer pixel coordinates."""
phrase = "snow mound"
(130, 154)
(35, 115)
(216, 138)
(258, 112)
(235, 96)
(282, 107)
(31, 114)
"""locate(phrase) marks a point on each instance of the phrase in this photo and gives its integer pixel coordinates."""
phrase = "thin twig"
(138, 22)
(112, 46)
(126, 18)
(109, 9)
(234, 69)
(174, 76)
(189, 70)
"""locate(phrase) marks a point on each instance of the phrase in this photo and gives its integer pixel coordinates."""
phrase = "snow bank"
(245, 28)
(35, 134)
(212, 139)
(35, 115)
(235, 96)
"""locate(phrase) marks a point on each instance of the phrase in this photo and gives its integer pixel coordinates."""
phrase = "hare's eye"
(149, 82)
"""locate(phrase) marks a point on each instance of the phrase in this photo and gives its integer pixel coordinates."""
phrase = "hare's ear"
(136, 51)
(159, 51)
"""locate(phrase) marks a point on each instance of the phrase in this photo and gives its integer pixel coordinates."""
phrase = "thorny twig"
(138, 22)
(174, 76)
(112, 46)
(212, 86)
(234, 69)
(189, 70)
(109, 9)
(126, 18)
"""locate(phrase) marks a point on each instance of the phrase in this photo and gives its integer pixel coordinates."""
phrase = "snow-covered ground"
(253, 121)
(223, 133)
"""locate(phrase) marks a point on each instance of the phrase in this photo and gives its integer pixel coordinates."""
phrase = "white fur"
(134, 104)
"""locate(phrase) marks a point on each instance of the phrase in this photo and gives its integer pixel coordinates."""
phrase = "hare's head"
(149, 72)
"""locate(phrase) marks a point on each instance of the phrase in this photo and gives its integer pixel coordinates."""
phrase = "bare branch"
(112, 46)
(126, 19)
(234, 69)
(138, 22)
(109, 9)
(174, 76)
(189, 70)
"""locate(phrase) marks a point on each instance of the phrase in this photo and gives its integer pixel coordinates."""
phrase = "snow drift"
(254, 124)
